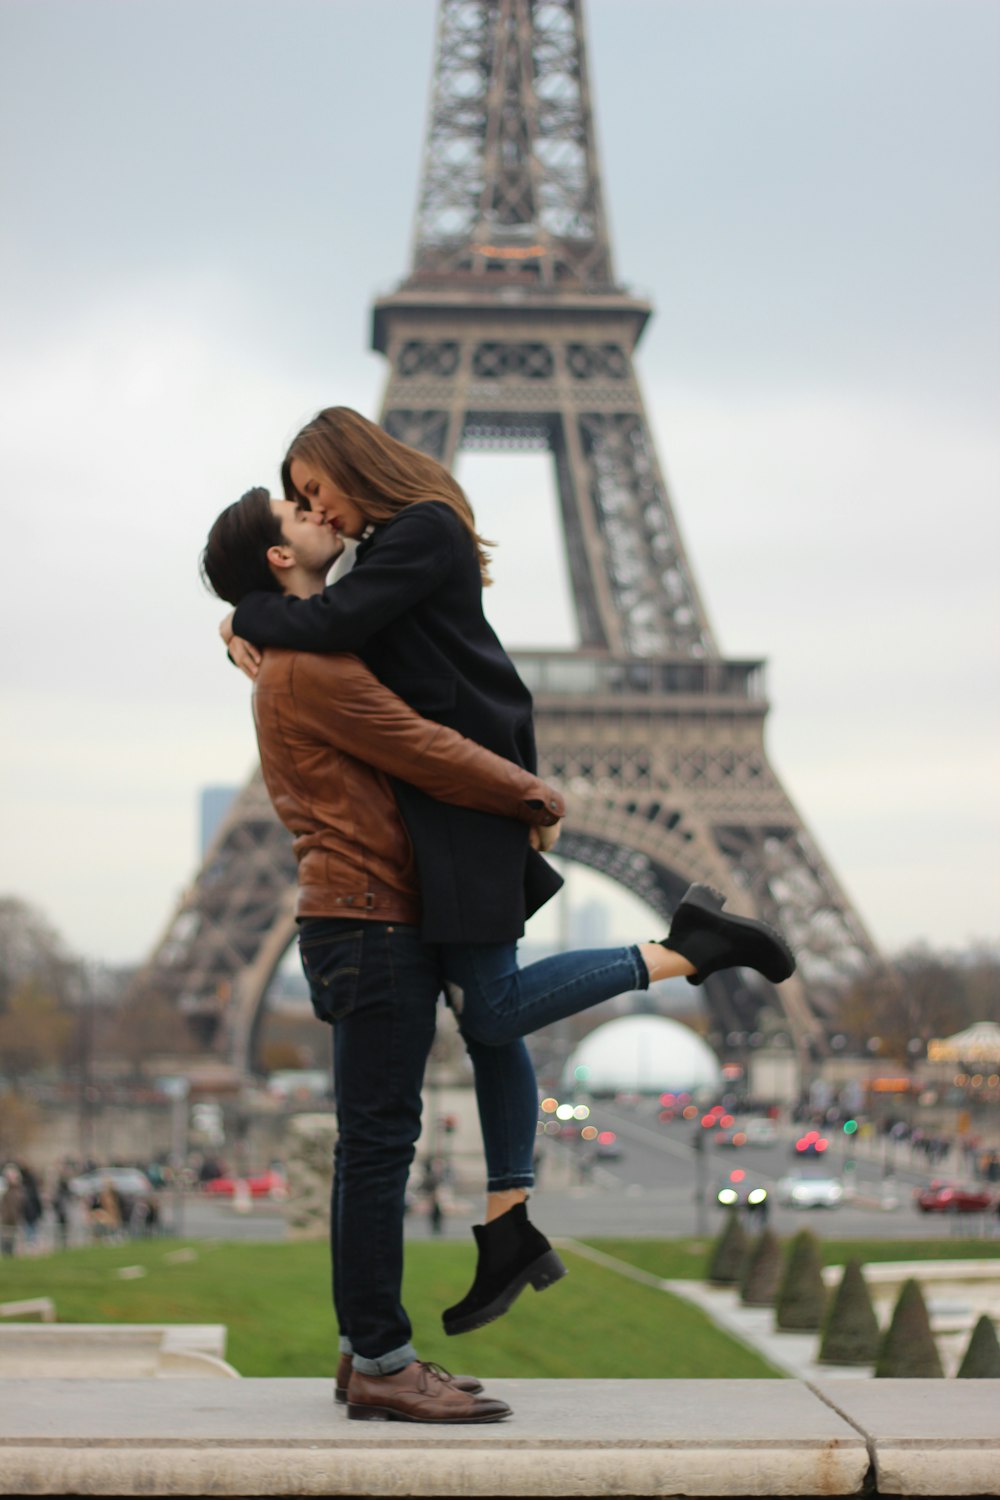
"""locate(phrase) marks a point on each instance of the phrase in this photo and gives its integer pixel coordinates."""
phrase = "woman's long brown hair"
(380, 474)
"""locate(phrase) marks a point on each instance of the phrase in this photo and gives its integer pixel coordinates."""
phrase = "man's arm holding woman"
(338, 701)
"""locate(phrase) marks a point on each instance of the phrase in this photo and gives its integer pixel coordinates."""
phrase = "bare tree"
(923, 994)
(31, 949)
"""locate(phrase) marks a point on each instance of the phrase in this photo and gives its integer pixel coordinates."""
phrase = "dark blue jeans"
(378, 985)
(496, 1002)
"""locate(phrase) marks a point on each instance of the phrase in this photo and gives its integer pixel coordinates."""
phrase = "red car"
(265, 1185)
(811, 1144)
(951, 1198)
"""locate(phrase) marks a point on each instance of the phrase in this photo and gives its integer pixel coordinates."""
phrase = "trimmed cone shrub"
(850, 1332)
(729, 1253)
(981, 1360)
(908, 1350)
(801, 1300)
(762, 1271)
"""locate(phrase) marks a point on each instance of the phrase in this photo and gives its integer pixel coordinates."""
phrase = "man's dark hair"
(234, 562)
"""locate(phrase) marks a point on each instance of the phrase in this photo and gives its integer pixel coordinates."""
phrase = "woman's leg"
(512, 1253)
(507, 1097)
(496, 1002)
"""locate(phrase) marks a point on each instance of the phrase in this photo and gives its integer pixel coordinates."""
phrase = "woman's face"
(323, 496)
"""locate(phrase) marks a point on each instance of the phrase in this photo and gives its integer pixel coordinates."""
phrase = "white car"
(127, 1180)
(799, 1191)
(760, 1131)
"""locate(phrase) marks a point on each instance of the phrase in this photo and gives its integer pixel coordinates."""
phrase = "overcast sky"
(200, 199)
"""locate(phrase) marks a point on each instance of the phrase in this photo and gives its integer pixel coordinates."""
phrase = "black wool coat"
(412, 609)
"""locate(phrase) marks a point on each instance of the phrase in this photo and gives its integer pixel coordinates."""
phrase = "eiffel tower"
(512, 332)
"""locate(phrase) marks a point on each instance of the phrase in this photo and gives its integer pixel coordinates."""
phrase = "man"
(330, 734)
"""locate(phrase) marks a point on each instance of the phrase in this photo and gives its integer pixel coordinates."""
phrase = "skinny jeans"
(496, 1002)
(377, 984)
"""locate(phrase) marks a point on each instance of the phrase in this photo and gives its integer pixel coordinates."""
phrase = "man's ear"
(280, 557)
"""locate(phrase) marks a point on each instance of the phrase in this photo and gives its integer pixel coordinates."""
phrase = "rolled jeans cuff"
(510, 1180)
(386, 1364)
(639, 963)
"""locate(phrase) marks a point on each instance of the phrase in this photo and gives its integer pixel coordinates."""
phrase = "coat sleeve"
(403, 565)
(338, 701)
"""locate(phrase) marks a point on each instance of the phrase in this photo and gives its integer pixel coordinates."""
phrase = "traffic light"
(850, 1127)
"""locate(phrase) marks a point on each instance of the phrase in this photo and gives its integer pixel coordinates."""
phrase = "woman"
(411, 608)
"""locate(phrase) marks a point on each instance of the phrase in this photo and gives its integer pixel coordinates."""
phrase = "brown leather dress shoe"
(467, 1383)
(417, 1394)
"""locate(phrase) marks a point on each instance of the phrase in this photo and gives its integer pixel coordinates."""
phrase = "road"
(652, 1188)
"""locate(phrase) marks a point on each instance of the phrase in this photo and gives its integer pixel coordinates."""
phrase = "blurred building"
(642, 1055)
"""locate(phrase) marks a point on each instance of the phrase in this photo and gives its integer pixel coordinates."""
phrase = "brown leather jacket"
(330, 736)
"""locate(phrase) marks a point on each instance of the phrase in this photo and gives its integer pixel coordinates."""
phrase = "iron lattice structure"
(510, 332)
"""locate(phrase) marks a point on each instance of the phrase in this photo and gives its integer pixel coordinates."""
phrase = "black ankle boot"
(512, 1253)
(711, 939)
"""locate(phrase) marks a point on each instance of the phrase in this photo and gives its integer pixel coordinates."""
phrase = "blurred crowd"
(87, 1202)
(75, 1203)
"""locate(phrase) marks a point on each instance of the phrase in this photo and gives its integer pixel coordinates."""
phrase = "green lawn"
(274, 1301)
(683, 1258)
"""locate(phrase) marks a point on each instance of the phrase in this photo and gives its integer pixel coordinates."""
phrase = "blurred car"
(810, 1144)
(746, 1194)
(798, 1190)
(265, 1185)
(952, 1198)
(607, 1147)
(760, 1131)
(128, 1181)
(729, 1139)
(138, 1203)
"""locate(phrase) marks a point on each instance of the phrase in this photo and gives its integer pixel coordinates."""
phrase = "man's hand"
(544, 839)
(241, 653)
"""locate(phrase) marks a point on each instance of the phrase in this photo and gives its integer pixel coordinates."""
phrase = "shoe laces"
(428, 1367)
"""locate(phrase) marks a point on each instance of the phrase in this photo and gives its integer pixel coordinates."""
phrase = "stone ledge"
(112, 1351)
(286, 1437)
(566, 1438)
(926, 1437)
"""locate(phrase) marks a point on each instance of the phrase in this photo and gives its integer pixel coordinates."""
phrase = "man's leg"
(343, 1326)
(381, 990)
(379, 985)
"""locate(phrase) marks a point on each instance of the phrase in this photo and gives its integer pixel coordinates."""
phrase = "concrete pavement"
(569, 1437)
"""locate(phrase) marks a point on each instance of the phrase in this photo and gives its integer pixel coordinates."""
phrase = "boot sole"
(543, 1272)
(768, 952)
(388, 1414)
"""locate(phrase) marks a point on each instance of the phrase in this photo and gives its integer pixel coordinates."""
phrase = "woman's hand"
(544, 839)
(241, 653)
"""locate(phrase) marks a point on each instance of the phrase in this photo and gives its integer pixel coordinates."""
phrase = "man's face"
(327, 499)
(314, 543)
